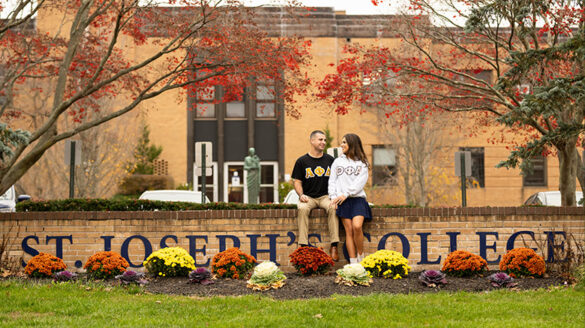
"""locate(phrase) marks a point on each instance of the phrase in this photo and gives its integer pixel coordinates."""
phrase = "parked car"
(173, 196)
(550, 198)
(8, 200)
(293, 198)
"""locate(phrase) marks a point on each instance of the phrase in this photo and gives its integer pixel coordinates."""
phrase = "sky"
(352, 7)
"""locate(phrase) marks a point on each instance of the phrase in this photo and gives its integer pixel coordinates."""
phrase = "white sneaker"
(353, 260)
(360, 257)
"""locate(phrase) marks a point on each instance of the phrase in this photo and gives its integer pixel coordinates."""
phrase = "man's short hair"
(316, 132)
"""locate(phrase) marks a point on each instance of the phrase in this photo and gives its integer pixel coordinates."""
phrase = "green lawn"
(79, 305)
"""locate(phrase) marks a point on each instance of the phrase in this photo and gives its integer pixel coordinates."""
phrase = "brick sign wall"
(425, 236)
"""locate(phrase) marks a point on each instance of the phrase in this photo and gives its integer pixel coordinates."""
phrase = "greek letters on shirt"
(349, 170)
(319, 171)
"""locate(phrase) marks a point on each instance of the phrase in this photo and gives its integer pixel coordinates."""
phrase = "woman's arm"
(332, 187)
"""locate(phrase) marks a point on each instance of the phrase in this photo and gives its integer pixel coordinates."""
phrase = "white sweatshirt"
(348, 178)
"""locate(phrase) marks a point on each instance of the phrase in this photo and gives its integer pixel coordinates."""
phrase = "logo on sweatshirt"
(349, 170)
(319, 171)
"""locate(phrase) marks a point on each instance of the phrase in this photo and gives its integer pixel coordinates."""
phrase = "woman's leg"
(358, 233)
(349, 242)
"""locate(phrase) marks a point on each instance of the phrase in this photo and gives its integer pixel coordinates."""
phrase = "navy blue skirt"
(354, 206)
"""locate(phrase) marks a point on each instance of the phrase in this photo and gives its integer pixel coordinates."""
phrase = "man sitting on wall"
(311, 178)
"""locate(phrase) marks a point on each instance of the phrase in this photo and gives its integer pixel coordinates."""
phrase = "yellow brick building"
(260, 122)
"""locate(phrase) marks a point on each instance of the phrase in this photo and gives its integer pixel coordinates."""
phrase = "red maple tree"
(127, 51)
(514, 63)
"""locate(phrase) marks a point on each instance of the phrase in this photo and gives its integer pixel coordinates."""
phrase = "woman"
(349, 174)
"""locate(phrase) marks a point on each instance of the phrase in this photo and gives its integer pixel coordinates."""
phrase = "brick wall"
(426, 234)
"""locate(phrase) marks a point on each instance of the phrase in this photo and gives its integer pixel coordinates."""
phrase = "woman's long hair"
(355, 150)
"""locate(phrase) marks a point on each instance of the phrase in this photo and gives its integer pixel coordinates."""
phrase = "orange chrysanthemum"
(523, 262)
(232, 263)
(104, 265)
(44, 265)
(463, 264)
(311, 260)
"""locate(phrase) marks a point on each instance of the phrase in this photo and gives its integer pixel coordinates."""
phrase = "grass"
(28, 304)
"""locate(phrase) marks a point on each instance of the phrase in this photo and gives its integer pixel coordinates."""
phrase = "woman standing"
(349, 174)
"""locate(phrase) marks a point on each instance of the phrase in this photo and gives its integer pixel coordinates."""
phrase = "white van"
(8, 200)
(174, 196)
(550, 198)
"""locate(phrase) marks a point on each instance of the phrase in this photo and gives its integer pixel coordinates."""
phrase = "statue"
(252, 166)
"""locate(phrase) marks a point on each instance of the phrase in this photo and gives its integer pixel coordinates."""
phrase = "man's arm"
(298, 184)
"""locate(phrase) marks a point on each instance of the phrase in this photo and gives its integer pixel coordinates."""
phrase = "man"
(311, 179)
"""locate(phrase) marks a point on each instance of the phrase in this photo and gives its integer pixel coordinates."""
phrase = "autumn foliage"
(518, 64)
(104, 265)
(311, 260)
(44, 265)
(232, 263)
(74, 57)
(464, 264)
(523, 262)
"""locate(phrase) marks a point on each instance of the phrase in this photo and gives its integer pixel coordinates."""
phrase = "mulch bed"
(301, 287)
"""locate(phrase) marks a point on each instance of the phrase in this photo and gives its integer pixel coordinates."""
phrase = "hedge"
(135, 205)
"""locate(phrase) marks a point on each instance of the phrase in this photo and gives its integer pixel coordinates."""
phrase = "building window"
(383, 165)
(205, 97)
(477, 178)
(237, 107)
(266, 99)
(537, 176)
(205, 110)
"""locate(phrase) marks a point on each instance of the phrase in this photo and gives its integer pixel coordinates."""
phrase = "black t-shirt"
(314, 174)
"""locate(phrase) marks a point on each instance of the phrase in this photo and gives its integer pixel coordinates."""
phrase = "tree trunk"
(568, 164)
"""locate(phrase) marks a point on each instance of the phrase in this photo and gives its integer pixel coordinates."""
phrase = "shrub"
(353, 275)
(432, 278)
(232, 263)
(266, 275)
(523, 262)
(386, 264)
(135, 205)
(44, 265)
(9, 265)
(580, 277)
(136, 184)
(311, 260)
(170, 262)
(105, 265)
(464, 264)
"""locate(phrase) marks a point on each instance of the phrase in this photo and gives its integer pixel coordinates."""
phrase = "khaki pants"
(304, 211)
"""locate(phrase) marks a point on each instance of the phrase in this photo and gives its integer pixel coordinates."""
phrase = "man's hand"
(337, 201)
(298, 185)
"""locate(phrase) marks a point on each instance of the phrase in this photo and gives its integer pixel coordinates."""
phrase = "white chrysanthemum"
(265, 269)
(354, 270)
